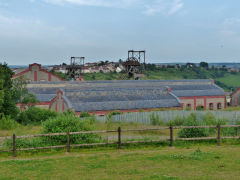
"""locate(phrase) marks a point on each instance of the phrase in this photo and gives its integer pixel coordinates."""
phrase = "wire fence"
(145, 117)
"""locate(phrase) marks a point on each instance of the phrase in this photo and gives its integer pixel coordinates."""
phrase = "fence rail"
(119, 131)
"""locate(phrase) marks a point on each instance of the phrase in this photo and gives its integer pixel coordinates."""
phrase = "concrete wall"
(236, 98)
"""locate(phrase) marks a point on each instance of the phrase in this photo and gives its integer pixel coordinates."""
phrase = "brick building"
(100, 97)
(235, 97)
(35, 73)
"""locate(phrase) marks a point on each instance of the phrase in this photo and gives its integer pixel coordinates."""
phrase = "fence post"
(171, 136)
(219, 134)
(14, 145)
(68, 142)
(119, 137)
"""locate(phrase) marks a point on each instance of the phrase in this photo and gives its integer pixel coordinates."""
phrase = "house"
(36, 73)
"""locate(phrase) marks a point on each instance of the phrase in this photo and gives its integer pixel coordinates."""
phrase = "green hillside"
(227, 80)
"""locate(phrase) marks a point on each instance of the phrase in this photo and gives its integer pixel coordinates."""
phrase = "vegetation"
(148, 162)
(34, 115)
(7, 100)
(227, 80)
(6, 123)
(68, 122)
(84, 114)
(196, 132)
(156, 120)
(11, 93)
(21, 94)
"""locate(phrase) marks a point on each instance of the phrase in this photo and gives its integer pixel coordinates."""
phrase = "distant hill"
(227, 64)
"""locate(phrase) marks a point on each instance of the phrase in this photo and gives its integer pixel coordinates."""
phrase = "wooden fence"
(119, 142)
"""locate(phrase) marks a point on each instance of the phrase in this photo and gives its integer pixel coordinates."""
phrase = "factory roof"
(113, 95)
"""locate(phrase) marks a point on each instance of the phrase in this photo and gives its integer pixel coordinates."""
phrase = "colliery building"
(101, 97)
(35, 73)
(235, 97)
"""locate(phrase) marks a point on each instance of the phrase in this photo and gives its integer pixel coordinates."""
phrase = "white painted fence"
(165, 116)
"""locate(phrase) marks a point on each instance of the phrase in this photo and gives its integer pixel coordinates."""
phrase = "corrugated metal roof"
(110, 95)
(125, 105)
(45, 97)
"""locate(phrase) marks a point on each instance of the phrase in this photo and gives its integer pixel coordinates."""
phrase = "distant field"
(150, 162)
(231, 80)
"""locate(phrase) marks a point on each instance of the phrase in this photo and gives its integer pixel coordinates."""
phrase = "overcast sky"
(51, 31)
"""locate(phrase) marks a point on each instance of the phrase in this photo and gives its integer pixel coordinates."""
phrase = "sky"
(51, 31)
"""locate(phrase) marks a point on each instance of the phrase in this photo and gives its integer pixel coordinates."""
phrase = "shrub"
(109, 120)
(156, 120)
(209, 120)
(85, 114)
(192, 132)
(116, 113)
(34, 115)
(69, 123)
(199, 108)
(6, 123)
(26, 143)
(178, 121)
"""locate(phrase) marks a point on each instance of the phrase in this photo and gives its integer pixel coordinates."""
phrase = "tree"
(21, 93)
(120, 61)
(204, 64)
(190, 65)
(7, 103)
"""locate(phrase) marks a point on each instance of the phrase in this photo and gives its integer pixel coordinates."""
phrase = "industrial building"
(35, 73)
(235, 97)
(101, 97)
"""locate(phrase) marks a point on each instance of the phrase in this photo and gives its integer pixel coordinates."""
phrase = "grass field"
(196, 161)
(228, 81)
(186, 160)
(231, 80)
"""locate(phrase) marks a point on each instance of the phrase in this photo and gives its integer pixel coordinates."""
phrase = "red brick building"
(35, 73)
(101, 97)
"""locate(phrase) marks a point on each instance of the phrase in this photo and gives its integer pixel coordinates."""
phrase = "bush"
(69, 123)
(156, 120)
(26, 143)
(34, 115)
(200, 108)
(116, 113)
(6, 123)
(192, 132)
(109, 120)
(84, 114)
(178, 121)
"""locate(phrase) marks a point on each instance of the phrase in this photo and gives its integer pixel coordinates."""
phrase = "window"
(219, 106)
(188, 107)
(211, 106)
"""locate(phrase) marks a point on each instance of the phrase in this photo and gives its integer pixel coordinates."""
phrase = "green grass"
(235, 108)
(142, 162)
(224, 79)
(231, 80)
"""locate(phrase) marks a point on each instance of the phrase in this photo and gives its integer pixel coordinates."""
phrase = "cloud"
(100, 3)
(149, 7)
(165, 7)
(9, 20)
(229, 29)
(231, 21)
(26, 27)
